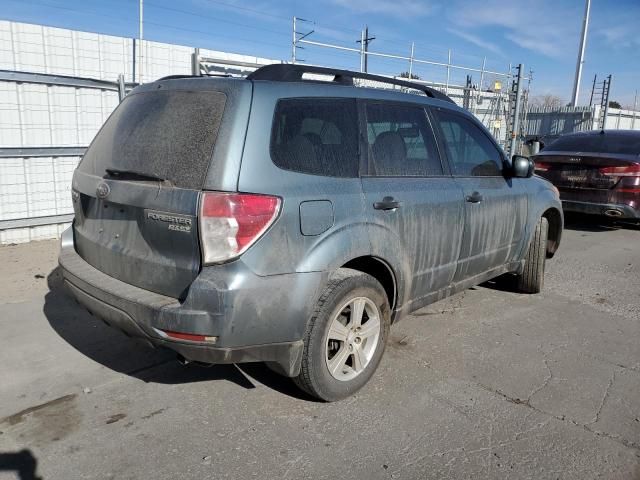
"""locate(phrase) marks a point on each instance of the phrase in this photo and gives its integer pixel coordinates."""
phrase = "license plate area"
(581, 177)
(576, 176)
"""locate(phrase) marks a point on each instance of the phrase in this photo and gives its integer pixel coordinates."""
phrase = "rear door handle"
(387, 203)
(475, 197)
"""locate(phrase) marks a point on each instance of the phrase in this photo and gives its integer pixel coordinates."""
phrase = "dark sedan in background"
(596, 172)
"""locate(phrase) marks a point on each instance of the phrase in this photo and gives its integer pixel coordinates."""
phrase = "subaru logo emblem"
(103, 190)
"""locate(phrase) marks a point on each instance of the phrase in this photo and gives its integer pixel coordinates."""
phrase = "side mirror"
(521, 166)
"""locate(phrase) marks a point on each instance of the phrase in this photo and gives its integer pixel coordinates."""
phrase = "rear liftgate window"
(164, 134)
(316, 136)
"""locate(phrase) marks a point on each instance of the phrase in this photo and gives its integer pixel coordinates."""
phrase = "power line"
(247, 9)
(217, 19)
(82, 12)
(209, 34)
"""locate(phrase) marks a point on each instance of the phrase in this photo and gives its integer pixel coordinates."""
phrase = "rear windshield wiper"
(132, 175)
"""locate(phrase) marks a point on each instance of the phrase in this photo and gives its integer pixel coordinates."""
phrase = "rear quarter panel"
(284, 249)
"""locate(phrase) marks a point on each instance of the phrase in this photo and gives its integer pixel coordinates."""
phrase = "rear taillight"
(231, 222)
(541, 166)
(626, 171)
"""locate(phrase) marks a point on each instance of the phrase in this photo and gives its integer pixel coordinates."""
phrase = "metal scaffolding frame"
(510, 107)
(301, 38)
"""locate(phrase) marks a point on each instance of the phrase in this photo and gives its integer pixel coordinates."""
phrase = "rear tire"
(531, 280)
(345, 337)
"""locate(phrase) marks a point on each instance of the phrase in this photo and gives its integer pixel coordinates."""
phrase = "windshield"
(167, 134)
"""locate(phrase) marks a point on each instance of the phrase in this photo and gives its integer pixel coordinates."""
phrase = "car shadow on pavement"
(504, 283)
(23, 463)
(111, 348)
(595, 223)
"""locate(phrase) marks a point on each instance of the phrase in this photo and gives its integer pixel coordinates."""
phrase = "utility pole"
(140, 35)
(297, 37)
(583, 42)
(365, 42)
(294, 42)
(515, 119)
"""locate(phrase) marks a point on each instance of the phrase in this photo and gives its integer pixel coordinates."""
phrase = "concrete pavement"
(487, 384)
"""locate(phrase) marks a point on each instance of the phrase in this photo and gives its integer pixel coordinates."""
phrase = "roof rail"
(176, 77)
(293, 73)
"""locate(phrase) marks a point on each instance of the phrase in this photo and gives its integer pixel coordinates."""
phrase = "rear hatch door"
(136, 191)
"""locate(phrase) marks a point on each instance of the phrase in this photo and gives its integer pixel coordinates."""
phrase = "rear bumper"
(614, 210)
(254, 319)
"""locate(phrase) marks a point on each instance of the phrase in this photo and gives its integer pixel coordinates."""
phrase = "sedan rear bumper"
(613, 210)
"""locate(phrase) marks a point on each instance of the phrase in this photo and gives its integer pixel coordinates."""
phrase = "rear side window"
(316, 136)
(401, 142)
(470, 152)
(169, 134)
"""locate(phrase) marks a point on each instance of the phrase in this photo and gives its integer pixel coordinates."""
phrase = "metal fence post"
(635, 106)
(141, 36)
(195, 62)
(411, 60)
(122, 92)
(133, 57)
(446, 88)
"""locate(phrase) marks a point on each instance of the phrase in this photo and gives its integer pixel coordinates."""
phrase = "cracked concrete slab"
(619, 415)
(488, 384)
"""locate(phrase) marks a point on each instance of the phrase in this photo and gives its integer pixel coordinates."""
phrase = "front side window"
(401, 142)
(316, 136)
(470, 152)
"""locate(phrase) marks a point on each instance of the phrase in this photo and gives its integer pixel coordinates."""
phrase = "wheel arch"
(381, 271)
(554, 218)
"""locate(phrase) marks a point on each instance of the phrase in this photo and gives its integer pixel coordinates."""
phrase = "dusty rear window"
(168, 134)
(597, 143)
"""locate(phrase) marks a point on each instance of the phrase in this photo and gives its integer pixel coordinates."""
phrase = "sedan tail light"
(231, 222)
(541, 166)
(626, 171)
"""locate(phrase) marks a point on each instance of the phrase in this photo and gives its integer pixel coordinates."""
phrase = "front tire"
(531, 280)
(346, 336)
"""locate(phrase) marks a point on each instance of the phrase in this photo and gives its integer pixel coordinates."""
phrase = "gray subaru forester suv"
(291, 217)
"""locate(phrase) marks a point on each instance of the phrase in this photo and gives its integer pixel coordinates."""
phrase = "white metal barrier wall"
(46, 125)
(552, 122)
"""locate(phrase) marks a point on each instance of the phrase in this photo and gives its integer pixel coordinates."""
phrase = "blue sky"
(542, 34)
